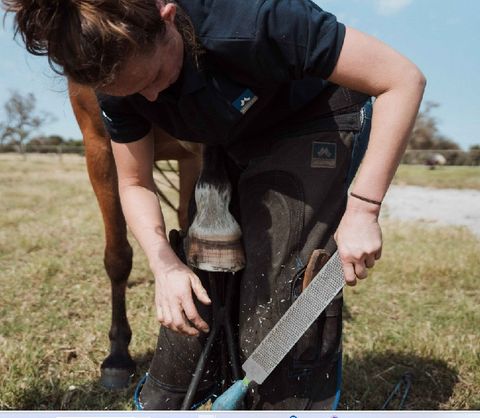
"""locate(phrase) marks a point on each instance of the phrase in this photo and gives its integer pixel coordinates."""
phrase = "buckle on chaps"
(213, 241)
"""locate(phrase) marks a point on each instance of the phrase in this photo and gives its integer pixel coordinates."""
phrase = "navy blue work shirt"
(264, 62)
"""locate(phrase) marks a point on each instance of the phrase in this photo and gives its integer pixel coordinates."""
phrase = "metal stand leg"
(221, 331)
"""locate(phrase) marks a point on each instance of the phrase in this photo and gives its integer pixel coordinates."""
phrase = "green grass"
(417, 312)
(55, 299)
(449, 177)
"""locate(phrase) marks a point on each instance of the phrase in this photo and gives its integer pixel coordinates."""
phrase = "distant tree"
(425, 128)
(22, 120)
(442, 142)
(55, 140)
(425, 134)
(474, 154)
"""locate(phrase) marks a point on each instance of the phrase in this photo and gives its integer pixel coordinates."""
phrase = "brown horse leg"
(117, 368)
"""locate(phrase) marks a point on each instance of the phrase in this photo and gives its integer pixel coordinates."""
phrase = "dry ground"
(434, 206)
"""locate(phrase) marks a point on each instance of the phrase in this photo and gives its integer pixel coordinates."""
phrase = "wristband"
(375, 202)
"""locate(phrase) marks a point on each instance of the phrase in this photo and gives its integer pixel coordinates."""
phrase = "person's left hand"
(359, 240)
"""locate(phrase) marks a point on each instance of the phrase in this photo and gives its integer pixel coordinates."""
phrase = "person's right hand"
(174, 301)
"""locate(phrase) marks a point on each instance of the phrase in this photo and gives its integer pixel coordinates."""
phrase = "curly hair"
(89, 40)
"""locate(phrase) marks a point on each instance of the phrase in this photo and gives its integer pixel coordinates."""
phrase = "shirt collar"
(190, 80)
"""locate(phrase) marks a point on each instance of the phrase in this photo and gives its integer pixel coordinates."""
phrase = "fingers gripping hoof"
(214, 238)
(115, 379)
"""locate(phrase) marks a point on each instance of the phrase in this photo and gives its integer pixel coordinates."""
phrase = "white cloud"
(390, 7)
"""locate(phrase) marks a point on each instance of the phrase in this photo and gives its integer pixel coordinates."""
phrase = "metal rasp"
(287, 331)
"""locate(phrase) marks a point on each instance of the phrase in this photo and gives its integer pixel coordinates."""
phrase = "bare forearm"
(144, 217)
(140, 204)
(368, 65)
(394, 114)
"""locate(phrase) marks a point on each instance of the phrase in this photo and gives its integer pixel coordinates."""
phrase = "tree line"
(426, 140)
(23, 121)
(19, 131)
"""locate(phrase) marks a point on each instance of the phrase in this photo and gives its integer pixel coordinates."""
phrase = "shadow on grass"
(368, 381)
(54, 395)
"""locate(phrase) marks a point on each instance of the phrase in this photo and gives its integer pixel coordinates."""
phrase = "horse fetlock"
(120, 333)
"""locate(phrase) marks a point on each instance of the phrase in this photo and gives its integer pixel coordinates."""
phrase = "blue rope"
(339, 385)
(136, 395)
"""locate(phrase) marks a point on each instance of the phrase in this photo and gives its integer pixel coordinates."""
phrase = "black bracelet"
(375, 202)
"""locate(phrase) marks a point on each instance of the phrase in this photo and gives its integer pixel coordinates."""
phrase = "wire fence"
(411, 156)
(43, 149)
(447, 157)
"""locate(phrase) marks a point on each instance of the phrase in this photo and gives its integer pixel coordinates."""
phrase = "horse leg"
(118, 367)
(214, 238)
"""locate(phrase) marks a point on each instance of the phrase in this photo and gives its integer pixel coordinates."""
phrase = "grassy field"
(455, 177)
(418, 311)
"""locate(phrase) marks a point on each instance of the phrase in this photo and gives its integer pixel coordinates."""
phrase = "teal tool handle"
(232, 398)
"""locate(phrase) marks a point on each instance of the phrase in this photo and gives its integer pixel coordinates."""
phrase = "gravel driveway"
(445, 206)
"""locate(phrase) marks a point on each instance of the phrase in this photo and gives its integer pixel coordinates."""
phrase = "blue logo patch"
(245, 101)
(324, 155)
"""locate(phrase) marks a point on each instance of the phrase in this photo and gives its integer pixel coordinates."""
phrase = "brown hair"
(88, 40)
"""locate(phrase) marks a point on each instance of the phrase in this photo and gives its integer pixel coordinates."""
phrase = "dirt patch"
(443, 206)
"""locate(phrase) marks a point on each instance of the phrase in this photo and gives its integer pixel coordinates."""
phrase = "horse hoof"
(116, 378)
(209, 254)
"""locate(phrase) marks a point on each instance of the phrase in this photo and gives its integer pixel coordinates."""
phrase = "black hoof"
(116, 378)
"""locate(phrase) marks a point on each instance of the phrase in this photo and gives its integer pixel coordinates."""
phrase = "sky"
(441, 36)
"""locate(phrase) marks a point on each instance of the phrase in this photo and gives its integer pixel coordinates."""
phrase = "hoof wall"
(215, 255)
(116, 378)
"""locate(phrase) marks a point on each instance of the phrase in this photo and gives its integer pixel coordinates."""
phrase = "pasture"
(417, 312)
(454, 177)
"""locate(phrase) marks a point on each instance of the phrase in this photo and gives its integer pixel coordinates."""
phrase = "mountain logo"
(324, 155)
(246, 100)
